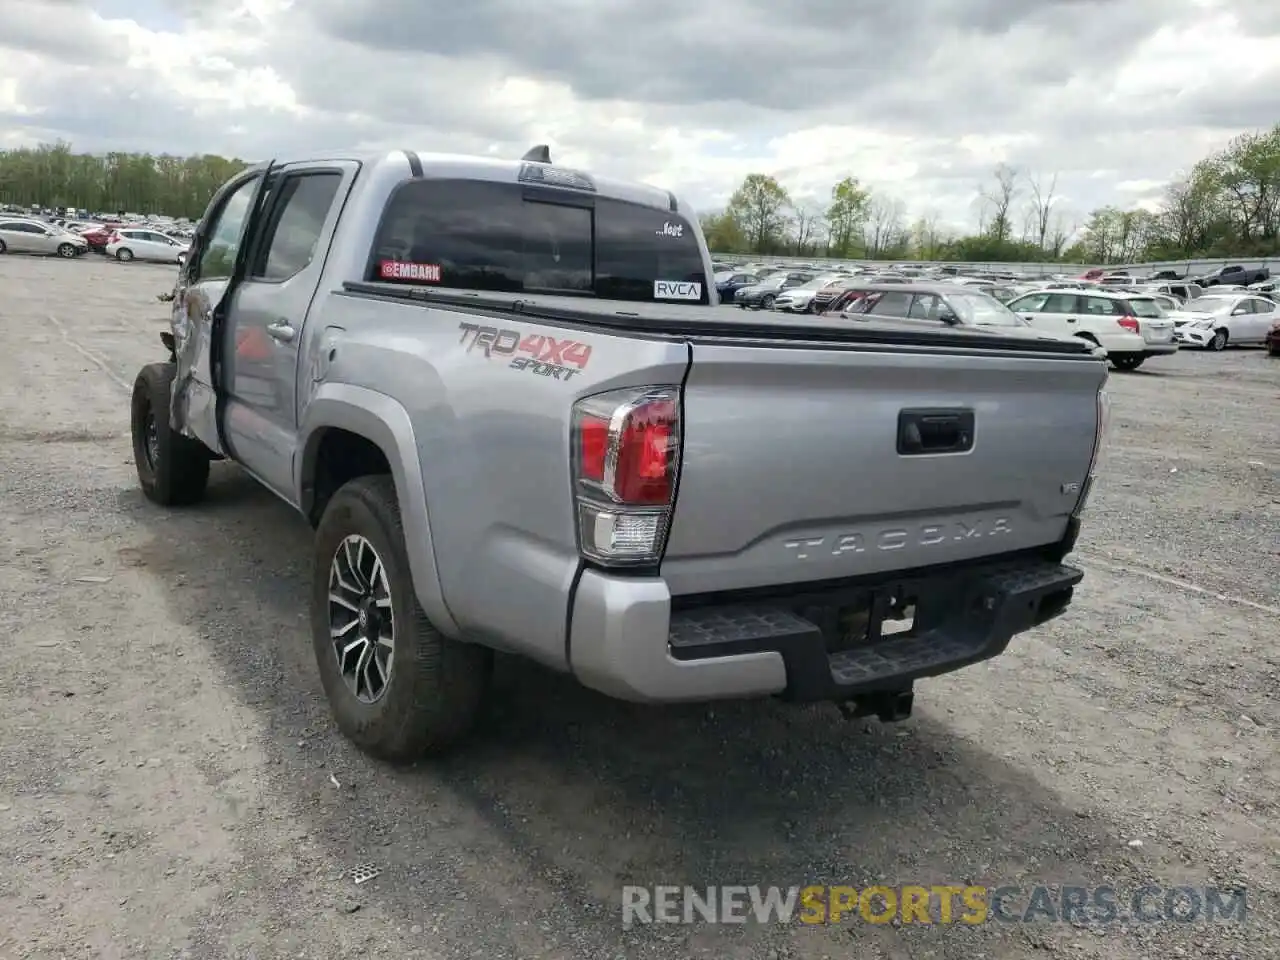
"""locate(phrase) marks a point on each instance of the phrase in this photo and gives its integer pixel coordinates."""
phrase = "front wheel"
(66, 251)
(173, 470)
(3, 248)
(1219, 341)
(397, 687)
(124, 254)
(1127, 361)
(182, 258)
(766, 302)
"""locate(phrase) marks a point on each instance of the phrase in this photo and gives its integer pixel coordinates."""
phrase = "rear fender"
(383, 421)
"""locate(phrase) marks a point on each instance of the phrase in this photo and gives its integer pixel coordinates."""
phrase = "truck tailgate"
(811, 463)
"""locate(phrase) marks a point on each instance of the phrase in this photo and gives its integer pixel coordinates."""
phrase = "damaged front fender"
(194, 404)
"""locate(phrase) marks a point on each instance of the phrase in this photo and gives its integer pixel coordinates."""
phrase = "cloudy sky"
(919, 99)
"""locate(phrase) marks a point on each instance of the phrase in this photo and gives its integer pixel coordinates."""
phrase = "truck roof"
(469, 167)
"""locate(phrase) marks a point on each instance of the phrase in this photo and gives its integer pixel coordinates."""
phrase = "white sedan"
(134, 243)
(1219, 319)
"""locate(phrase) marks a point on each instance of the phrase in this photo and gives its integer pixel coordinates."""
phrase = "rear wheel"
(173, 470)
(3, 248)
(397, 687)
(124, 254)
(1127, 361)
(1219, 341)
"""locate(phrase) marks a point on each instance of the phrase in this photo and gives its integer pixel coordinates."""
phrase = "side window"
(1099, 306)
(1032, 304)
(297, 219)
(924, 306)
(1263, 306)
(218, 258)
(891, 304)
(1061, 303)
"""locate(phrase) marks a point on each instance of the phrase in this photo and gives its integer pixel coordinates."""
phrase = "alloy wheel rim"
(152, 441)
(361, 620)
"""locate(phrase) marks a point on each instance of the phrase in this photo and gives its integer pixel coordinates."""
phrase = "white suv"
(1131, 327)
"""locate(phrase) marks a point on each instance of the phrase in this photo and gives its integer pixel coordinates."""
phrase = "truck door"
(202, 288)
(266, 317)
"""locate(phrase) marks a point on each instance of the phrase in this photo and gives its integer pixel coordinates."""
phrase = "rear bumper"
(1161, 349)
(630, 641)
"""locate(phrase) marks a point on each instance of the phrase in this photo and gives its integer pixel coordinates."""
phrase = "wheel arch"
(351, 431)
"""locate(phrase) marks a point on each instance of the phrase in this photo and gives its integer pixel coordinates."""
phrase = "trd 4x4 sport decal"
(544, 356)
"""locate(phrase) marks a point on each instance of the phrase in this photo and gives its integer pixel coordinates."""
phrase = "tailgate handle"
(934, 431)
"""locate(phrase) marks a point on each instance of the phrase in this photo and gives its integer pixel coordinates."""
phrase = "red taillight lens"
(593, 447)
(1130, 324)
(645, 467)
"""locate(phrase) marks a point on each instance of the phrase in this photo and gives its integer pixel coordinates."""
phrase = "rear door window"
(891, 304)
(482, 235)
(1061, 303)
(1100, 306)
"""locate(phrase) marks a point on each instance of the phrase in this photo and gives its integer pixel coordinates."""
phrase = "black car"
(730, 282)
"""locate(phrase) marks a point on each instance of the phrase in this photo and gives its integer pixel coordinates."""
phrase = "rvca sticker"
(675, 290)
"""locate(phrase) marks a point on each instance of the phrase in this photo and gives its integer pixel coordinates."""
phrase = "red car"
(1273, 340)
(99, 237)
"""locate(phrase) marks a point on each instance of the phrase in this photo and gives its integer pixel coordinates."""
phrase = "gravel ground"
(171, 784)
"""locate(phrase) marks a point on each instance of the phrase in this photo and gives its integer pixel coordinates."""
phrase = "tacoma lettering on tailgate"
(895, 538)
(544, 356)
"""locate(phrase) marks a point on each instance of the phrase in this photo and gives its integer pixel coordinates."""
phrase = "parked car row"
(70, 239)
(1130, 325)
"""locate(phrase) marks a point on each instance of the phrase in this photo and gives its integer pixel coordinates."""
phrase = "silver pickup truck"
(507, 399)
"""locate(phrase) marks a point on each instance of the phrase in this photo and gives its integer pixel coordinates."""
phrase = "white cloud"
(1115, 96)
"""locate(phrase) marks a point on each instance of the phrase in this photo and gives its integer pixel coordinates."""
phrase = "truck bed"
(729, 324)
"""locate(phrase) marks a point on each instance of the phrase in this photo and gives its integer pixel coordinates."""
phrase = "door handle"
(281, 331)
(935, 431)
(1071, 319)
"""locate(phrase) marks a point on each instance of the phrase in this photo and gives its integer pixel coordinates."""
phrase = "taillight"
(626, 453)
(1130, 324)
(1099, 448)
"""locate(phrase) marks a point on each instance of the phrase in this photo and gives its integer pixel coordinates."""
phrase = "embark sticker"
(674, 290)
(403, 270)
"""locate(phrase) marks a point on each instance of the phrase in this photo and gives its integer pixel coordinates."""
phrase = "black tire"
(435, 686)
(66, 251)
(124, 254)
(3, 248)
(1219, 341)
(766, 302)
(1127, 361)
(173, 470)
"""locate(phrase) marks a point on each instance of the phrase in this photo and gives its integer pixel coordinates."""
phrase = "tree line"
(1227, 205)
(51, 175)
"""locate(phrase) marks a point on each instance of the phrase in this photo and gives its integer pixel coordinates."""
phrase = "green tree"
(847, 214)
(759, 206)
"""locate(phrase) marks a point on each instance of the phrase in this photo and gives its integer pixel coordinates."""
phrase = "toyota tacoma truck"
(505, 396)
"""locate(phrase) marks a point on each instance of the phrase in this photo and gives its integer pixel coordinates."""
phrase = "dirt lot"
(171, 785)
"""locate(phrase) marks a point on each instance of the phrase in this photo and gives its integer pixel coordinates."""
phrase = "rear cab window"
(503, 237)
